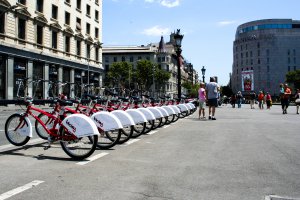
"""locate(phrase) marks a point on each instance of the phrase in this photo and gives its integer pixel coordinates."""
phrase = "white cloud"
(156, 31)
(226, 23)
(166, 3)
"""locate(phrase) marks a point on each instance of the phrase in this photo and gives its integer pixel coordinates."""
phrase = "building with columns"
(161, 53)
(56, 40)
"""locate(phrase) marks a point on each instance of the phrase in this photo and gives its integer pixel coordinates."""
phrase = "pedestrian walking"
(286, 98)
(268, 100)
(260, 99)
(212, 89)
(281, 95)
(252, 99)
(202, 99)
(297, 101)
(239, 98)
(233, 100)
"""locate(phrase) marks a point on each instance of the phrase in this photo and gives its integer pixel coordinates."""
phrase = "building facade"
(264, 51)
(162, 54)
(56, 40)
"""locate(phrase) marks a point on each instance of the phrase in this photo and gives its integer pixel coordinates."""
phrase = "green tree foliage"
(161, 77)
(118, 74)
(293, 77)
(192, 89)
(226, 90)
(144, 73)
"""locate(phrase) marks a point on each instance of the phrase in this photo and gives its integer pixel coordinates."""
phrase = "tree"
(293, 77)
(119, 73)
(161, 77)
(226, 90)
(144, 73)
(191, 88)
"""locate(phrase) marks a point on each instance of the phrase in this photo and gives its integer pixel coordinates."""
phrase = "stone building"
(57, 40)
(263, 52)
(160, 53)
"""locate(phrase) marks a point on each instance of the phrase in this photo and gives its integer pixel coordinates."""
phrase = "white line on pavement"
(18, 190)
(93, 158)
(166, 126)
(270, 197)
(152, 132)
(130, 142)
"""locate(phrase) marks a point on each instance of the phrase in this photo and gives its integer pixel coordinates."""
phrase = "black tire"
(170, 119)
(12, 124)
(138, 129)
(183, 114)
(163, 121)
(108, 139)
(126, 134)
(157, 123)
(80, 148)
(149, 126)
(176, 117)
(39, 129)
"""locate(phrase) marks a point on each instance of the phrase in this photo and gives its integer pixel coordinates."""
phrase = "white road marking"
(34, 141)
(270, 197)
(166, 126)
(130, 142)
(18, 190)
(93, 158)
(152, 132)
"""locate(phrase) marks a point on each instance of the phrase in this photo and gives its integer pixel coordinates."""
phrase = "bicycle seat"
(123, 98)
(64, 102)
(147, 96)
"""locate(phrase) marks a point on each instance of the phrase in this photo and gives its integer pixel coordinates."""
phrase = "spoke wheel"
(13, 130)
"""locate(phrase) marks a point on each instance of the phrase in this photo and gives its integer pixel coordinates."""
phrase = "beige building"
(160, 53)
(58, 40)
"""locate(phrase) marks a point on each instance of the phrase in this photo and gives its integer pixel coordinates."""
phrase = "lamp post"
(203, 74)
(178, 39)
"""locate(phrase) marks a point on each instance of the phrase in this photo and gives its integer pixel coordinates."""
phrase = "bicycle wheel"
(170, 119)
(126, 134)
(40, 130)
(176, 117)
(13, 126)
(157, 123)
(149, 126)
(108, 139)
(139, 129)
(79, 148)
(163, 121)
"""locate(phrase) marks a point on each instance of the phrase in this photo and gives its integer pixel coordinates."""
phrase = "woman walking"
(202, 99)
(268, 100)
(260, 99)
(297, 101)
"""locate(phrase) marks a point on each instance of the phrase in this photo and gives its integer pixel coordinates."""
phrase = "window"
(258, 61)
(139, 57)
(2, 23)
(78, 47)
(268, 52)
(258, 45)
(258, 53)
(294, 52)
(96, 15)
(88, 10)
(251, 54)
(289, 60)
(88, 28)
(21, 28)
(67, 18)
(295, 68)
(289, 68)
(294, 60)
(268, 60)
(115, 59)
(106, 59)
(67, 44)
(54, 11)
(78, 5)
(78, 24)
(131, 58)
(96, 33)
(40, 5)
(268, 68)
(54, 39)
(96, 53)
(289, 52)
(123, 59)
(22, 2)
(88, 49)
(39, 34)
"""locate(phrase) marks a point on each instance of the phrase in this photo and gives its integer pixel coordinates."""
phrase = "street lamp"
(203, 74)
(178, 39)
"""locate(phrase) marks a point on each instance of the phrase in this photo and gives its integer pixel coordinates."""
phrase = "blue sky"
(208, 26)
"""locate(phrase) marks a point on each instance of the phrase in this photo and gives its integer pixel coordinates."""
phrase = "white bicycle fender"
(106, 121)
(163, 111)
(157, 113)
(80, 125)
(26, 130)
(148, 114)
(175, 108)
(169, 110)
(124, 117)
(137, 116)
(188, 106)
(182, 107)
(192, 105)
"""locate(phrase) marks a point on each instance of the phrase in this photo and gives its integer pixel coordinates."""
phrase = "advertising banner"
(247, 80)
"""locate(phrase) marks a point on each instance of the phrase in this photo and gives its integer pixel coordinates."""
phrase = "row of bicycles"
(83, 125)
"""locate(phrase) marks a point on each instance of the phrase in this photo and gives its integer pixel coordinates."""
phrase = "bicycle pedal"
(47, 147)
